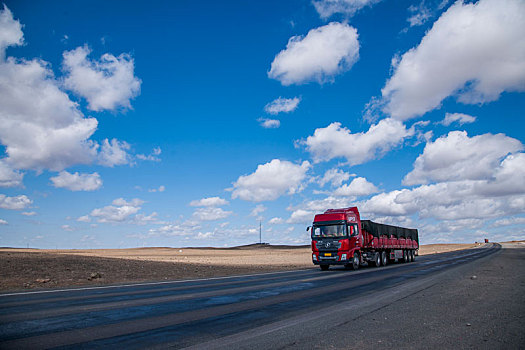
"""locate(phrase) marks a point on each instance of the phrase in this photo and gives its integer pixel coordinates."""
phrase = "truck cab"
(336, 238)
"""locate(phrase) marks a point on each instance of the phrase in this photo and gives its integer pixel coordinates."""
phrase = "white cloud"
(509, 222)
(359, 186)
(459, 157)
(334, 176)
(319, 56)
(77, 181)
(476, 51)
(271, 180)
(161, 188)
(9, 177)
(301, 216)
(41, 127)
(114, 153)
(419, 14)
(460, 118)
(335, 141)
(3, 222)
(120, 211)
(67, 228)
(153, 157)
(275, 221)
(269, 123)
(28, 213)
(84, 218)
(210, 214)
(14, 203)
(107, 84)
(280, 104)
(258, 210)
(209, 202)
(327, 8)
(10, 31)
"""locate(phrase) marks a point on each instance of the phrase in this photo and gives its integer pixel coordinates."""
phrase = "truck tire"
(384, 258)
(413, 255)
(324, 267)
(377, 260)
(405, 256)
(355, 262)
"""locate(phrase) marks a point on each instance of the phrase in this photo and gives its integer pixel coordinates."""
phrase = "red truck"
(340, 237)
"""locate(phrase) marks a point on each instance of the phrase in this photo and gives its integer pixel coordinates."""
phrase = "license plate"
(327, 254)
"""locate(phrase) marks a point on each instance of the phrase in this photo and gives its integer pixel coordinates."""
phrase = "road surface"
(431, 302)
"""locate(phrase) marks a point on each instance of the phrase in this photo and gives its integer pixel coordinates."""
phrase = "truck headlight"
(343, 256)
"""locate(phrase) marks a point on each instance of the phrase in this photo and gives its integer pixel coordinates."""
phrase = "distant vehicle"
(340, 237)
(486, 240)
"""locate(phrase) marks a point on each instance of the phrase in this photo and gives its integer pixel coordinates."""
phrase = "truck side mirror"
(308, 228)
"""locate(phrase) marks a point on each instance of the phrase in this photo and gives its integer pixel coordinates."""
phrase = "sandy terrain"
(35, 268)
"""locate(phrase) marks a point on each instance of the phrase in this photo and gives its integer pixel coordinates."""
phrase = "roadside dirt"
(36, 269)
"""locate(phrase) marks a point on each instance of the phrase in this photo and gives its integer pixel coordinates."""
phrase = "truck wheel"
(377, 260)
(405, 256)
(324, 267)
(355, 262)
(384, 259)
(413, 255)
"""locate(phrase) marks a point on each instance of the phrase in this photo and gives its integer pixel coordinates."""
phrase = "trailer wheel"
(413, 255)
(377, 260)
(384, 258)
(405, 256)
(355, 262)
(324, 267)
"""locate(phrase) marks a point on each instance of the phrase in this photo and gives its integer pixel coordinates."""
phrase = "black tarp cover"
(377, 230)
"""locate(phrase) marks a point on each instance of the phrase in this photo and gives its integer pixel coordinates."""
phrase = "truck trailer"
(340, 237)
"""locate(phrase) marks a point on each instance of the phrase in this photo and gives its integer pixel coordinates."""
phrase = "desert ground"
(55, 268)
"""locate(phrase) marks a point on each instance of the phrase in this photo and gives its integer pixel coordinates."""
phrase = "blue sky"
(187, 123)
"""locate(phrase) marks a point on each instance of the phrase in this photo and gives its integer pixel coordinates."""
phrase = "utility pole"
(260, 232)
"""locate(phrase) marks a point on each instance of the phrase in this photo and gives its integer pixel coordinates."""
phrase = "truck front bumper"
(333, 259)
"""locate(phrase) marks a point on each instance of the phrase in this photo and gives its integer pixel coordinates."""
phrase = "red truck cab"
(336, 238)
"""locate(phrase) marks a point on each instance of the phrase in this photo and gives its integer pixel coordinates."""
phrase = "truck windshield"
(329, 231)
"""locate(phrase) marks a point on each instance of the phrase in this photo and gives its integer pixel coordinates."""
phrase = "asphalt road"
(434, 302)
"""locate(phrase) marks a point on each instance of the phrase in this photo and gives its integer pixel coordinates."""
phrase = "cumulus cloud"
(457, 156)
(271, 180)
(114, 153)
(359, 186)
(77, 181)
(41, 127)
(161, 188)
(335, 141)
(275, 221)
(282, 105)
(210, 214)
(475, 51)
(9, 177)
(107, 84)
(304, 212)
(153, 157)
(334, 176)
(459, 118)
(28, 213)
(258, 210)
(209, 202)
(269, 123)
(3, 222)
(327, 8)
(419, 14)
(14, 203)
(319, 56)
(119, 211)
(11, 31)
